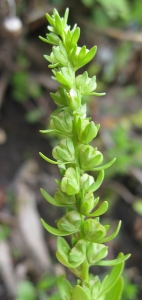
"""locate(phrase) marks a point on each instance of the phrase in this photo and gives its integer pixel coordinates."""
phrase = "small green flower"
(94, 231)
(70, 182)
(62, 122)
(64, 151)
(69, 221)
(89, 157)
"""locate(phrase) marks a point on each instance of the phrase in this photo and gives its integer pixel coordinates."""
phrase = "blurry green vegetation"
(4, 231)
(130, 289)
(137, 206)
(24, 88)
(110, 12)
(126, 149)
(120, 13)
(27, 291)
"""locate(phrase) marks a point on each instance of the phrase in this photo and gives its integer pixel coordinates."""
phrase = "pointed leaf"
(98, 94)
(64, 288)
(89, 56)
(112, 236)
(56, 231)
(66, 16)
(50, 199)
(113, 262)
(110, 280)
(116, 290)
(50, 20)
(52, 161)
(101, 210)
(75, 36)
(95, 185)
(62, 59)
(104, 166)
(45, 40)
(79, 293)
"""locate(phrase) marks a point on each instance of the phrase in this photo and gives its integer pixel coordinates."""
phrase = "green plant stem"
(75, 157)
(85, 271)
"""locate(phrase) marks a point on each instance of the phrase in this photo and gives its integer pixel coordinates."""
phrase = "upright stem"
(85, 271)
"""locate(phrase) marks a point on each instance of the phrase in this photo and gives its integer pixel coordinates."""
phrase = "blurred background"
(28, 267)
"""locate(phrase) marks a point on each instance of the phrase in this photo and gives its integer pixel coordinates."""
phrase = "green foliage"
(4, 231)
(24, 88)
(126, 149)
(75, 157)
(130, 290)
(27, 291)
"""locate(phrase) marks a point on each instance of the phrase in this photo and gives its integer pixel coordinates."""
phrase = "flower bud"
(89, 157)
(63, 198)
(94, 231)
(86, 130)
(86, 203)
(89, 132)
(85, 181)
(64, 151)
(96, 252)
(95, 285)
(53, 59)
(70, 182)
(74, 99)
(62, 122)
(78, 252)
(59, 97)
(70, 221)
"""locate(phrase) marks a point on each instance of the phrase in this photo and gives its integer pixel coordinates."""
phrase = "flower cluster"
(75, 157)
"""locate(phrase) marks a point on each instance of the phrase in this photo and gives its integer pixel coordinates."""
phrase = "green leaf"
(101, 210)
(52, 161)
(79, 293)
(113, 262)
(58, 24)
(50, 131)
(56, 231)
(98, 94)
(110, 280)
(61, 79)
(26, 290)
(104, 166)
(75, 37)
(116, 290)
(45, 40)
(66, 16)
(47, 57)
(95, 185)
(50, 199)
(46, 282)
(64, 287)
(89, 56)
(50, 20)
(112, 236)
(62, 254)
